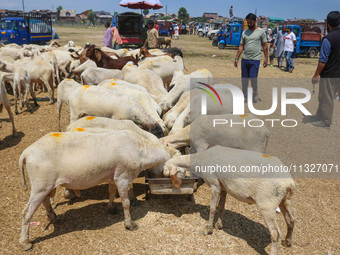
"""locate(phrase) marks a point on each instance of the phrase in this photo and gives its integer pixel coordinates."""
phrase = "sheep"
(104, 61)
(267, 191)
(81, 160)
(182, 83)
(163, 66)
(164, 41)
(121, 52)
(140, 98)
(64, 60)
(76, 72)
(5, 102)
(134, 87)
(171, 116)
(102, 102)
(51, 57)
(147, 79)
(144, 51)
(203, 134)
(95, 75)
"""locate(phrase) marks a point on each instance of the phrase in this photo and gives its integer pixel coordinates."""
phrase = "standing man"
(329, 71)
(280, 45)
(152, 33)
(156, 26)
(290, 41)
(251, 41)
(117, 39)
(170, 30)
(107, 40)
(206, 30)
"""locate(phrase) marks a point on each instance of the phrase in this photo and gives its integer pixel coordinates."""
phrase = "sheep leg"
(112, 193)
(289, 218)
(27, 214)
(221, 204)
(123, 189)
(10, 114)
(15, 98)
(50, 90)
(33, 95)
(268, 214)
(133, 200)
(52, 217)
(27, 91)
(215, 193)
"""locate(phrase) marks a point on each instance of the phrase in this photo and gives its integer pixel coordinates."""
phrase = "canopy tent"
(141, 4)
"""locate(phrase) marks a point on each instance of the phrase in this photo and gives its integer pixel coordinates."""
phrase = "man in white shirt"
(290, 42)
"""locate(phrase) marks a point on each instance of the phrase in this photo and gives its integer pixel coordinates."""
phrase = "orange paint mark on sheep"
(80, 129)
(266, 156)
(69, 79)
(115, 79)
(56, 134)
(85, 87)
(244, 115)
(112, 84)
(90, 118)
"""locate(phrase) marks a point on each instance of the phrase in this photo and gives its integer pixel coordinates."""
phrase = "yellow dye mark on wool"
(115, 79)
(244, 115)
(90, 118)
(56, 134)
(266, 156)
(129, 65)
(85, 87)
(80, 129)
(69, 79)
(112, 84)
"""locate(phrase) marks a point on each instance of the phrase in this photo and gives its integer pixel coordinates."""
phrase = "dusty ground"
(171, 224)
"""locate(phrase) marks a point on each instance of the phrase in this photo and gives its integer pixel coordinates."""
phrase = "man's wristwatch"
(236, 58)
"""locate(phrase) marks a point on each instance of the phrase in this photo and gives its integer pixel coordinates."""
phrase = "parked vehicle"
(211, 26)
(25, 28)
(228, 35)
(164, 27)
(130, 27)
(308, 43)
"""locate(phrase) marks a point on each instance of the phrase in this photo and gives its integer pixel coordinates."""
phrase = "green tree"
(182, 13)
(91, 16)
(59, 8)
(145, 12)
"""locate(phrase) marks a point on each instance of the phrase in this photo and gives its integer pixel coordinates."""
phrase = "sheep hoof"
(52, 217)
(26, 245)
(219, 225)
(286, 243)
(208, 230)
(112, 210)
(16, 112)
(131, 225)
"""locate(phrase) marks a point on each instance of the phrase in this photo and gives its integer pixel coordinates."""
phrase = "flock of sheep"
(129, 114)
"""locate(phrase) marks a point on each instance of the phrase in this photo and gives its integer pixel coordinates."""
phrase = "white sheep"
(95, 75)
(267, 191)
(81, 160)
(4, 102)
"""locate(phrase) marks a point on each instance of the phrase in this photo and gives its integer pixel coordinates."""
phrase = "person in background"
(206, 30)
(271, 52)
(116, 38)
(176, 28)
(170, 30)
(251, 41)
(231, 12)
(191, 30)
(107, 40)
(184, 30)
(280, 45)
(290, 41)
(152, 40)
(269, 34)
(328, 69)
(156, 26)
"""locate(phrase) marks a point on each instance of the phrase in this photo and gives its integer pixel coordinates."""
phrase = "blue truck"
(308, 42)
(25, 28)
(229, 34)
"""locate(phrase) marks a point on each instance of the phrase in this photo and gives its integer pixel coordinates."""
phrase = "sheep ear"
(98, 55)
(177, 182)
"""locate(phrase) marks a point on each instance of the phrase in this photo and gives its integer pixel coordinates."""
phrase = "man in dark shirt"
(329, 71)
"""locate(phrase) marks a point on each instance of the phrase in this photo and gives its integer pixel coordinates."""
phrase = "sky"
(287, 9)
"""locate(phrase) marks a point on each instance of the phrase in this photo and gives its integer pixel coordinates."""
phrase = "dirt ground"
(171, 224)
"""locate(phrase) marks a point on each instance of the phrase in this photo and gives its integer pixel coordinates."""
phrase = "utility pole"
(166, 10)
(23, 5)
(256, 11)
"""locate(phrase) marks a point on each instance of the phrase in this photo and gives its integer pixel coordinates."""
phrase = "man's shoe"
(255, 98)
(321, 124)
(309, 118)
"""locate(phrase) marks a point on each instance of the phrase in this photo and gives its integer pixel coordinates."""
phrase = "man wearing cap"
(152, 33)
